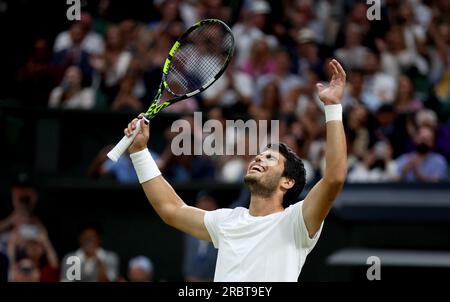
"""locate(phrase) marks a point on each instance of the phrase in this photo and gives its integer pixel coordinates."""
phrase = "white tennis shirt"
(265, 248)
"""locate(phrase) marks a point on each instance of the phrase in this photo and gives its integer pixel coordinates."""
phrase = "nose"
(258, 158)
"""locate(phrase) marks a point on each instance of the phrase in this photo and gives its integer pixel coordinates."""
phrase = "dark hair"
(293, 169)
(91, 225)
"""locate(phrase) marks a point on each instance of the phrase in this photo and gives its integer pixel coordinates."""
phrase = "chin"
(250, 178)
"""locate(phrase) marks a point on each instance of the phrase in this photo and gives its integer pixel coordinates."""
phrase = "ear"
(286, 183)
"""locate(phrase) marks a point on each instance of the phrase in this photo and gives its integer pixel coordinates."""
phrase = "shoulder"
(295, 206)
(88, 92)
(56, 92)
(294, 209)
(226, 212)
(111, 256)
(223, 215)
(62, 37)
(438, 158)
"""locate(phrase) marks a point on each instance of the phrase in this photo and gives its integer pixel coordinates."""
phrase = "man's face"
(425, 136)
(137, 274)
(26, 271)
(89, 241)
(264, 172)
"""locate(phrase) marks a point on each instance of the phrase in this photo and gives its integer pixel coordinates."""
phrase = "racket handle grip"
(123, 145)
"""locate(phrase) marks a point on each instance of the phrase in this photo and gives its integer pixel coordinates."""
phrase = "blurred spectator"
(234, 87)
(71, 94)
(4, 264)
(122, 170)
(414, 34)
(377, 82)
(250, 29)
(37, 77)
(377, 165)
(185, 165)
(112, 66)
(356, 93)
(234, 166)
(405, 101)
(169, 16)
(356, 127)
(309, 59)
(186, 168)
(440, 62)
(353, 54)
(358, 17)
(100, 20)
(311, 117)
(388, 125)
(32, 242)
(397, 58)
(24, 199)
(25, 271)
(126, 100)
(132, 32)
(301, 16)
(97, 264)
(200, 256)
(285, 80)
(428, 118)
(74, 53)
(88, 41)
(423, 165)
(260, 61)
(270, 104)
(140, 269)
(215, 9)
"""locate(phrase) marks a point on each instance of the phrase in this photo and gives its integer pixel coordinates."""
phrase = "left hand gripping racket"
(195, 61)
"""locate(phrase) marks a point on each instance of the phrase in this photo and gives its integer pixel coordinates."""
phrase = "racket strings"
(200, 58)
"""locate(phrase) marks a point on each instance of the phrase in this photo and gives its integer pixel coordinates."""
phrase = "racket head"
(195, 61)
(198, 58)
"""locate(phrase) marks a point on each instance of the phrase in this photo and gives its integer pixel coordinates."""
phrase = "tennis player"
(270, 240)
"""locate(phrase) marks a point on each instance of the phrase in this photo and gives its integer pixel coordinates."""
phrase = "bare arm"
(167, 204)
(319, 200)
(6, 223)
(50, 252)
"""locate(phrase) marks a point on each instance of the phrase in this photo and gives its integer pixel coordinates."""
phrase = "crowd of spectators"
(398, 70)
(396, 103)
(27, 253)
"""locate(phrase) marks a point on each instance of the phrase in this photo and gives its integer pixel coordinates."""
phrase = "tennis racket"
(195, 61)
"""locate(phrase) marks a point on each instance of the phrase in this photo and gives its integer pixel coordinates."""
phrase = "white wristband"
(144, 165)
(333, 113)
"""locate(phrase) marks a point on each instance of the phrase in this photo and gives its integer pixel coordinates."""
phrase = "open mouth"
(257, 168)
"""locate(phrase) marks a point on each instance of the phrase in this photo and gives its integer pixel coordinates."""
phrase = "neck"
(265, 205)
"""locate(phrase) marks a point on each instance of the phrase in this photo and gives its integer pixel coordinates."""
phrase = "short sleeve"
(212, 222)
(295, 213)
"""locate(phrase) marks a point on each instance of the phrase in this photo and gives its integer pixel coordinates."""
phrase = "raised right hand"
(140, 141)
